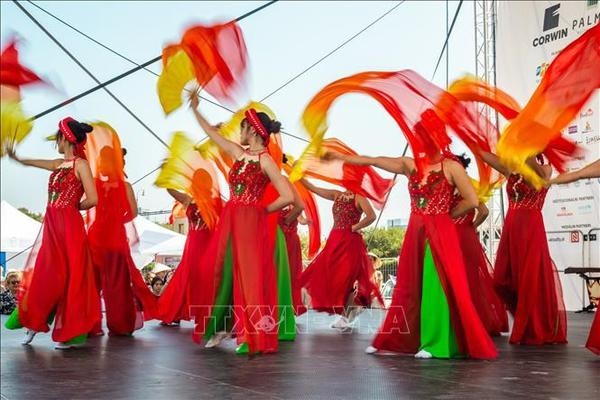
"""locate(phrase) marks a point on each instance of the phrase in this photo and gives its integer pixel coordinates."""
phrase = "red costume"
(59, 277)
(431, 241)
(185, 286)
(331, 276)
(479, 274)
(294, 250)
(525, 276)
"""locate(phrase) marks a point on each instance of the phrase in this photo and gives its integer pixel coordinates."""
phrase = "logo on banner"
(564, 212)
(575, 237)
(572, 129)
(540, 70)
(551, 17)
(554, 30)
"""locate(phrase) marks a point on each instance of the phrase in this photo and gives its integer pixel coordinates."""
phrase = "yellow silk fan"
(15, 125)
(177, 73)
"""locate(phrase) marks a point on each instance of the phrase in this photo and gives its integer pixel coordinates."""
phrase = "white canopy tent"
(17, 233)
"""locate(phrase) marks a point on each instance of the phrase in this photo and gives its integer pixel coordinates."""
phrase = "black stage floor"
(163, 363)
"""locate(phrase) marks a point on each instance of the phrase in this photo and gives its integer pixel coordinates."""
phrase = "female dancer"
(289, 217)
(589, 171)
(340, 279)
(127, 299)
(431, 313)
(180, 292)
(478, 267)
(524, 275)
(58, 280)
(242, 259)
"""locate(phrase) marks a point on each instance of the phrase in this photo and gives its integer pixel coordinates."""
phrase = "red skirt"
(491, 310)
(186, 282)
(593, 342)
(401, 331)
(527, 281)
(127, 299)
(294, 249)
(240, 275)
(59, 278)
(331, 277)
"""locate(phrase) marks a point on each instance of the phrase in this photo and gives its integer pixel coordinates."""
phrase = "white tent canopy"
(171, 247)
(18, 233)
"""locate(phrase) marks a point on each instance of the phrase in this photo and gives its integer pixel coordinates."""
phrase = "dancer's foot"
(341, 323)
(96, 333)
(29, 335)
(423, 354)
(242, 349)
(67, 345)
(216, 339)
(371, 350)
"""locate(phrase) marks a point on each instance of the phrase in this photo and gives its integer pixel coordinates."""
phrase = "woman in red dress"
(340, 278)
(525, 276)
(289, 217)
(244, 279)
(590, 171)
(432, 313)
(58, 280)
(185, 284)
(127, 299)
(479, 269)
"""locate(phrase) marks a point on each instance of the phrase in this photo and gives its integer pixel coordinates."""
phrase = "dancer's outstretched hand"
(194, 99)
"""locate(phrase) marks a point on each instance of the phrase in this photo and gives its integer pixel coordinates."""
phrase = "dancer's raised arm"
(231, 148)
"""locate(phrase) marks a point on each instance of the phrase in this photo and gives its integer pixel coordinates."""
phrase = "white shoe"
(423, 354)
(340, 324)
(66, 346)
(371, 350)
(216, 339)
(29, 335)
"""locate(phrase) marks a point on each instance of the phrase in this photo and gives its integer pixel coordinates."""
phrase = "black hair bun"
(464, 160)
(80, 130)
(284, 159)
(274, 127)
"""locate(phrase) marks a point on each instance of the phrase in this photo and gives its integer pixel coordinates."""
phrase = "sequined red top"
(432, 198)
(247, 182)
(292, 227)
(345, 212)
(64, 189)
(522, 196)
(195, 221)
(465, 218)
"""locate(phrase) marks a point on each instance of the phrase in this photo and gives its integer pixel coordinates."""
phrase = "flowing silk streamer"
(214, 56)
(567, 85)
(186, 170)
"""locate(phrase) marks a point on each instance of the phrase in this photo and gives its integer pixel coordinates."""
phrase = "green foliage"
(37, 216)
(385, 243)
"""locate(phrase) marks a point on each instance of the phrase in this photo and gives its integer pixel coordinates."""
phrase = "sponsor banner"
(529, 35)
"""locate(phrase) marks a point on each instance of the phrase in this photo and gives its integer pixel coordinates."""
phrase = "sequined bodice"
(247, 182)
(434, 197)
(195, 221)
(523, 196)
(64, 189)
(345, 212)
(292, 227)
(465, 218)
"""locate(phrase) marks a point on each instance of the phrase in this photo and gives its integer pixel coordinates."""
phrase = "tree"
(385, 242)
(37, 216)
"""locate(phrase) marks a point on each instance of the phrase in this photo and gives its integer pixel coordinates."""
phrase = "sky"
(282, 41)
